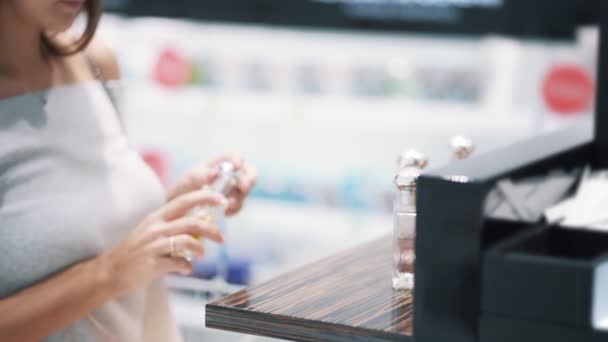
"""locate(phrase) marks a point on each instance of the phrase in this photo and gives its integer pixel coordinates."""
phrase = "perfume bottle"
(226, 180)
(411, 163)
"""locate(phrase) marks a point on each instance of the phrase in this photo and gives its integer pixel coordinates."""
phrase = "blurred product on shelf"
(158, 162)
(238, 271)
(568, 89)
(309, 79)
(173, 69)
(459, 84)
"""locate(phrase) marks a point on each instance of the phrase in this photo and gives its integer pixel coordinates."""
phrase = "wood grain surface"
(347, 297)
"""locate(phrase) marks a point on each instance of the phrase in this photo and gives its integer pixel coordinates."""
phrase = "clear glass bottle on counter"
(411, 164)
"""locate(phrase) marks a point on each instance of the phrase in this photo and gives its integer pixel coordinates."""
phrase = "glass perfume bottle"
(227, 179)
(411, 164)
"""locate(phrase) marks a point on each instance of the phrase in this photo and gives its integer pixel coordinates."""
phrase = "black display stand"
(480, 279)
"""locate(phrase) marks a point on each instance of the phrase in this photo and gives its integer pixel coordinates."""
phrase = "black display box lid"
(544, 274)
(456, 298)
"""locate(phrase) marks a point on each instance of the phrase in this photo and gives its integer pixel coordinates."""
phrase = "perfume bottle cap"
(412, 158)
(226, 167)
(227, 179)
(461, 147)
(411, 163)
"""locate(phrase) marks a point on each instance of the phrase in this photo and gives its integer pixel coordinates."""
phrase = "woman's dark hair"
(93, 11)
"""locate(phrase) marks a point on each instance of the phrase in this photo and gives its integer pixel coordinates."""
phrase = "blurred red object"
(172, 68)
(568, 89)
(158, 162)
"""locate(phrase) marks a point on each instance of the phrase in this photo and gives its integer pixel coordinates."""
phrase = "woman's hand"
(150, 250)
(205, 174)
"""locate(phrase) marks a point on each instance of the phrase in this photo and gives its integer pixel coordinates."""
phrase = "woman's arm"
(145, 256)
(62, 299)
(159, 324)
(53, 304)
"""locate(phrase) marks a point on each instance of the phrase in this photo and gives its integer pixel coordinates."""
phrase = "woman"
(86, 232)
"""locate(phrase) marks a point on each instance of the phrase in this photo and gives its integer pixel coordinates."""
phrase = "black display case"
(488, 280)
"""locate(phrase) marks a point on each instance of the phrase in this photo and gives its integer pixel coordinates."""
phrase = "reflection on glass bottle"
(411, 164)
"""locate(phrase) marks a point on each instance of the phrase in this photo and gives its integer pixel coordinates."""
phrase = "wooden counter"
(347, 297)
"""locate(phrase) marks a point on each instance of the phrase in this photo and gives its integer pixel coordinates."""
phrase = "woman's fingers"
(207, 173)
(177, 245)
(234, 158)
(249, 177)
(193, 181)
(190, 226)
(184, 203)
(203, 175)
(174, 265)
(235, 203)
(237, 197)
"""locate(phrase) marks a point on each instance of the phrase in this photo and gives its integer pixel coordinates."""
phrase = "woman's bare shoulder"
(105, 59)
(100, 53)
